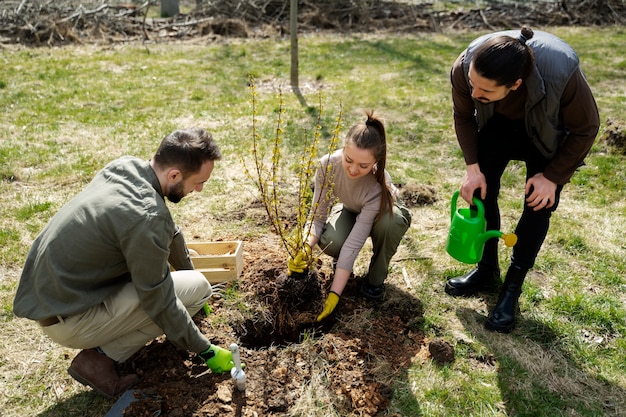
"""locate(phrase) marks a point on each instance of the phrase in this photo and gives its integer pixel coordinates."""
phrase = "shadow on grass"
(299, 96)
(84, 404)
(537, 377)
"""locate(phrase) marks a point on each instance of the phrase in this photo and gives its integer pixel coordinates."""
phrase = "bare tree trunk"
(169, 8)
(293, 29)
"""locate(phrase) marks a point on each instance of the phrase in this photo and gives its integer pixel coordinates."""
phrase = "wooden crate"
(218, 261)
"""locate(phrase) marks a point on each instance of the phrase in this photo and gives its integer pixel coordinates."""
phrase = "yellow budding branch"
(268, 181)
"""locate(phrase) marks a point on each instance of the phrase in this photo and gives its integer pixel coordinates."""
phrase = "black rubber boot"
(481, 278)
(485, 277)
(502, 317)
(372, 293)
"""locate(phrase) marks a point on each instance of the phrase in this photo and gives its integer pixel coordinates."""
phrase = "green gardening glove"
(218, 359)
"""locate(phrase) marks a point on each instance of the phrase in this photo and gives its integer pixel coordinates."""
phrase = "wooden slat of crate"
(215, 276)
(218, 261)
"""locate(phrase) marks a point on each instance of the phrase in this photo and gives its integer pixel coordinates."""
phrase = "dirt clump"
(281, 306)
(441, 351)
(614, 136)
(415, 195)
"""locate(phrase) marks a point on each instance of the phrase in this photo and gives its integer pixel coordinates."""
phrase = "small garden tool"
(237, 373)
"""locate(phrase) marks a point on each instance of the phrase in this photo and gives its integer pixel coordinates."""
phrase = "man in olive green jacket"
(98, 278)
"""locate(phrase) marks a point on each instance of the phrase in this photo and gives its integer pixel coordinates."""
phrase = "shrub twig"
(268, 182)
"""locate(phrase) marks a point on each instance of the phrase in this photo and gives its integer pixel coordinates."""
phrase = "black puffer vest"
(555, 62)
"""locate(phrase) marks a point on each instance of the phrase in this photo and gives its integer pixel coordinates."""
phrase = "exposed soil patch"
(615, 136)
(415, 195)
(349, 362)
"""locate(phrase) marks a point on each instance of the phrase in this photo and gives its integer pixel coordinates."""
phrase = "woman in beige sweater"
(357, 199)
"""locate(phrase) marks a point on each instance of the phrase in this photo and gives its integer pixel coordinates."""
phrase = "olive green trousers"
(386, 235)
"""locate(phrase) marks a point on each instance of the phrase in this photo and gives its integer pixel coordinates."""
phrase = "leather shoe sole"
(468, 291)
(123, 384)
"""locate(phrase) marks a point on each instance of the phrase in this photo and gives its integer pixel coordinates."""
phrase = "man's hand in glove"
(329, 305)
(301, 261)
(218, 359)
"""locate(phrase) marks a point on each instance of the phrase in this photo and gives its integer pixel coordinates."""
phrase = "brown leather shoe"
(99, 371)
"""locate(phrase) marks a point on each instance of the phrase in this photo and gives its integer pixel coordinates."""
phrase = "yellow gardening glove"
(301, 261)
(329, 305)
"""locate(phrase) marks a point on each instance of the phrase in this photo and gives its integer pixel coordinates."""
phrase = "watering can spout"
(510, 239)
(483, 237)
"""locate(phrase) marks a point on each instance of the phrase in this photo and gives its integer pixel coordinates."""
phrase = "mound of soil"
(350, 360)
(615, 136)
(415, 195)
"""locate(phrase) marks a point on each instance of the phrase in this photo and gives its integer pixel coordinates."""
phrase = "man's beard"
(176, 193)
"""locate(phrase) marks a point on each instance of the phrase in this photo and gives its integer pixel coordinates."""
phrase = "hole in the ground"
(289, 310)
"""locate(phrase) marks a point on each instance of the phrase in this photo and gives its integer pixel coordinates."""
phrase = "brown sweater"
(578, 111)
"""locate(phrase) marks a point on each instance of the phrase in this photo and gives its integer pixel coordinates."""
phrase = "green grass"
(68, 111)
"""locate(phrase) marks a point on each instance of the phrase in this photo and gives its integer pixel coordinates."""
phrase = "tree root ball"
(289, 304)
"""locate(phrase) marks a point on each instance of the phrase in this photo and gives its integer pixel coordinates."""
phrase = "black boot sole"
(469, 292)
(500, 328)
(456, 292)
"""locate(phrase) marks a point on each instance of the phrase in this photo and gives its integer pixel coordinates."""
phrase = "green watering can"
(468, 233)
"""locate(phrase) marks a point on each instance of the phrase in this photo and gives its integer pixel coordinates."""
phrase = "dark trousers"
(500, 142)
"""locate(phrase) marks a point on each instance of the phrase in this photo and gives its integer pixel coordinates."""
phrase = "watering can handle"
(455, 197)
(477, 203)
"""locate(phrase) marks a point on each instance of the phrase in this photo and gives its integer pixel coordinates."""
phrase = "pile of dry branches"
(365, 15)
(57, 22)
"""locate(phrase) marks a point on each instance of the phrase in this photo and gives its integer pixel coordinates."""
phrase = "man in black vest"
(518, 96)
